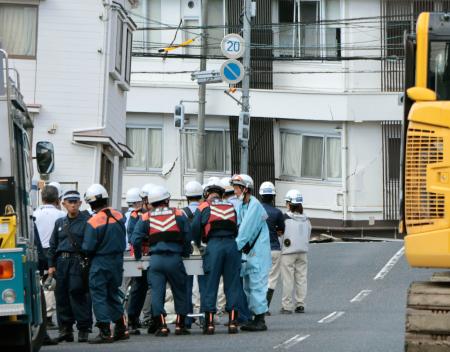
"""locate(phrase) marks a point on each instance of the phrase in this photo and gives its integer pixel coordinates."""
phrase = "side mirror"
(421, 94)
(45, 157)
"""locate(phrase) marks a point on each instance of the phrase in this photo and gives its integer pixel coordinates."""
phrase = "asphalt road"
(347, 309)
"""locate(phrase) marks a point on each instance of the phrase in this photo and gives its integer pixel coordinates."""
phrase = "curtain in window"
(333, 157)
(136, 140)
(214, 145)
(154, 148)
(312, 156)
(310, 34)
(290, 154)
(190, 149)
(18, 26)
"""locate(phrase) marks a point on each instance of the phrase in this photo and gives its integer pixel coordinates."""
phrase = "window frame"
(25, 4)
(192, 130)
(147, 169)
(324, 167)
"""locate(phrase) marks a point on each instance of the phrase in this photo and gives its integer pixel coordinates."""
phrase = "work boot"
(258, 324)
(269, 298)
(180, 325)
(153, 325)
(83, 336)
(232, 322)
(133, 326)
(120, 330)
(208, 327)
(162, 330)
(65, 334)
(104, 335)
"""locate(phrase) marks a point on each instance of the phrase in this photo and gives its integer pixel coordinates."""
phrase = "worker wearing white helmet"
(168, 232)
(215, 224)
(229, 195)
(104, 241)
(275, 222)
(294, 249)
(253, 240)
(139, 285)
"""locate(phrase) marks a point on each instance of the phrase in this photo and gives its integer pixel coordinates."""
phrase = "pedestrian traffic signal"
(178, 116)
(244, 126)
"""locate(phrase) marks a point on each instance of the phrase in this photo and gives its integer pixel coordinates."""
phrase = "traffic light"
(178, 116)
(244, 126)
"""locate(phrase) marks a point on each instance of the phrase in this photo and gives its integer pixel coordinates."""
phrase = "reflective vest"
(145, 245)
(222, 217)
(163, 226)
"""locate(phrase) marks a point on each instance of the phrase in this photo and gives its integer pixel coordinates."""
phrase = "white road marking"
(291, 342)
(390, 264)
(360, 296)
(331, 317)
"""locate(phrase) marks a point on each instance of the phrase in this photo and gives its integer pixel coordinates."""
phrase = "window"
(216, 22)
(439, 69)
(218, 151)
(147, 14)
(18, 29)
(310, 156)
(128, 56)
(119, 44)
(146, 143)
(300, 33)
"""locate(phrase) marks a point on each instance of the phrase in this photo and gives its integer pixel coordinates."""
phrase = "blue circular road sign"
(232, 71)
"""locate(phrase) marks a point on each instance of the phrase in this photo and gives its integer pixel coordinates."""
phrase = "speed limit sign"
(232, 46)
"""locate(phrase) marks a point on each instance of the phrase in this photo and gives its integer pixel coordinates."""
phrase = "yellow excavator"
(426, 181)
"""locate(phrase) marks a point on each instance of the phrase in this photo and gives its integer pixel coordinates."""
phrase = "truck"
(425, 200)
(22, 304)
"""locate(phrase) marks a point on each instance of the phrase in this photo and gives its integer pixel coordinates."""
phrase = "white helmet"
(242, 180)
(57, 185)
(226, 184)
(146, 189)
(133, 195)
(193, 189)
(95, 192)
(157, 194)
(213, 183)
(267, 188)
(294, 197)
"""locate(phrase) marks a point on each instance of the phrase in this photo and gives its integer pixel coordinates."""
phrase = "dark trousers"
(168, 268)
(73, 302)
(244, 311)
(138, 293)
(105, 279)
(222, 258)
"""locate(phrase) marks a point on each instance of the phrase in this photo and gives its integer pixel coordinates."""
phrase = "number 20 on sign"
(232, 46)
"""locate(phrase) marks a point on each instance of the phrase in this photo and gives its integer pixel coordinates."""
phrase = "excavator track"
(428, 315)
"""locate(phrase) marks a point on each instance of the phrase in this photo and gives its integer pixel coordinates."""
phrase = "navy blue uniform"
(139, 285)
(104, 241)
(215, 224)
(168, 233)
(73, 301)
(275, 222)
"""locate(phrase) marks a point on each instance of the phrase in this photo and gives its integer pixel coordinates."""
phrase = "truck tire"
(26, 338)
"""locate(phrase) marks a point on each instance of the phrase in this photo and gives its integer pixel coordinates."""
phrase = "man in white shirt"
(45, 218)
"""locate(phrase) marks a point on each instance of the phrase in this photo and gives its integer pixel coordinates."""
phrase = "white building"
(325, 107)
(74, 63)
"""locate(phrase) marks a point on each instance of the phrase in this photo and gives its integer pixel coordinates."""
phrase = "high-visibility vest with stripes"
(163, 225)
(145, 245)
(222, 217)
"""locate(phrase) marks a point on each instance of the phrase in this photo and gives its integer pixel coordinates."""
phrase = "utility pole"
(246, 81)
(202, 97)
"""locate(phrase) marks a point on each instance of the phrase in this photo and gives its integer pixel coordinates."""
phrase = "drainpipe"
(344, 172)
